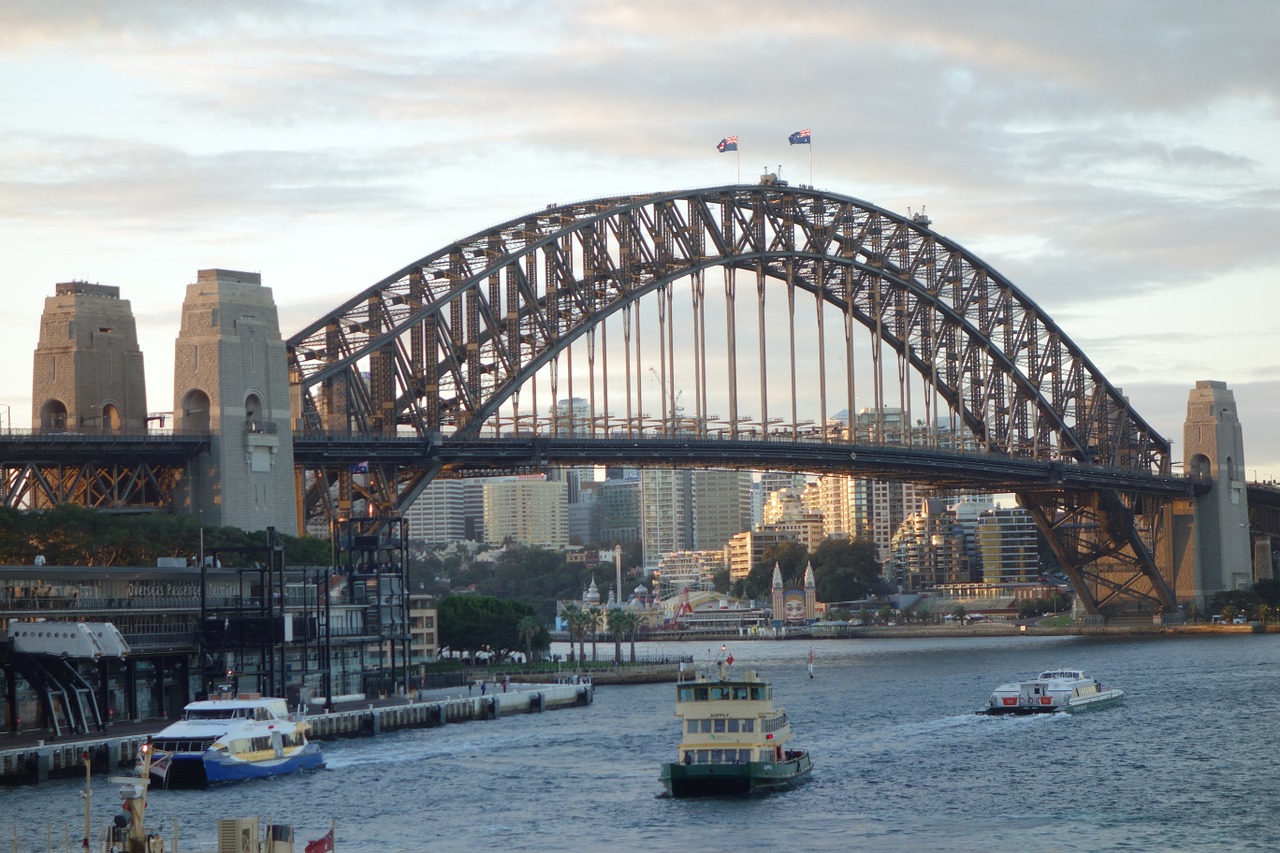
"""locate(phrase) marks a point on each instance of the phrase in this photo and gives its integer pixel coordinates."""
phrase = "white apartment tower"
(666, 513)
(530, 511)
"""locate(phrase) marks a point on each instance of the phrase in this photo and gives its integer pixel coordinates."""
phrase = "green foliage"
(1236, 599)
(1269, 591)
(845, 569)
(473, 622)
(71, 535)
(526, 573)
(720, 580)
(791, 557)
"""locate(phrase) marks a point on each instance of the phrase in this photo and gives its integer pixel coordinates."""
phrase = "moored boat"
(734, 739)
(1052, 691)
(229, 738)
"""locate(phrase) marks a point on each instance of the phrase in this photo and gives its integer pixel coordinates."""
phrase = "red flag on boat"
(324, 844)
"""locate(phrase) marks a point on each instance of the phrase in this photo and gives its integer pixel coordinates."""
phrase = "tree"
(576, 620)
(473, 622)
(845, 569)
(720, 581)
(595, 618)
(623, 624)
(529, 629)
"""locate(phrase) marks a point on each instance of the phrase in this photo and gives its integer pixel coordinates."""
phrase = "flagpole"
(737, 151)
(810, 158)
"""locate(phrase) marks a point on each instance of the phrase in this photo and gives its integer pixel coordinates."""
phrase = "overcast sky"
(1118, 161)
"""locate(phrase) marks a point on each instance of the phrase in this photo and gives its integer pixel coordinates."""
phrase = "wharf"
(28, 757)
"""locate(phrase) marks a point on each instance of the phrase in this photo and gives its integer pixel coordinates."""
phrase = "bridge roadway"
(478, 456)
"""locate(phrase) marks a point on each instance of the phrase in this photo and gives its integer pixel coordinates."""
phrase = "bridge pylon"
(87, 374)
(231, 381)
(1213, 450)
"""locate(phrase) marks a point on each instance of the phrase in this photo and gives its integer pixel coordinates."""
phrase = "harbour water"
(902, 763)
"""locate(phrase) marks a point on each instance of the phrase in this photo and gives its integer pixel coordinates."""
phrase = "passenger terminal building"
(304, 644)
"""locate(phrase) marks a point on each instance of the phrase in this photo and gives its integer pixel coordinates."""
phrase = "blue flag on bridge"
(800, 137)
(729, 143)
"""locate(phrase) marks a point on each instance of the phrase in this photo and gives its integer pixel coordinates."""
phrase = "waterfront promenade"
(30, 757)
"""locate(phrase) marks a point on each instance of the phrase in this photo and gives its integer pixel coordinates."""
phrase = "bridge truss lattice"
(594, 319)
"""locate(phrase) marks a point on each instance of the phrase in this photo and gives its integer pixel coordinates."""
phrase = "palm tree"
(1262, 613)
(527, 629)
(623, 623)
(577, 620)
(615, 618)
(595, 616)
(631, 626)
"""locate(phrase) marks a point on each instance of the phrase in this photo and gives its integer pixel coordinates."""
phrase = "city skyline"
(1119, 167)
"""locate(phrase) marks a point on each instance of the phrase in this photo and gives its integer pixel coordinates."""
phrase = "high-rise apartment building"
(527, 510)
(438, 515)
(928, 549)
(666, 513)
(746, 550)
(721, 506)
(1008, 540)
(692, 569)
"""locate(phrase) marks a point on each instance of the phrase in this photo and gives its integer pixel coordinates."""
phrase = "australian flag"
(800, 137)
(729, 143)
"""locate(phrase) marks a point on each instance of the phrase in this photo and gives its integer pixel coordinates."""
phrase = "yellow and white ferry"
(734, 741)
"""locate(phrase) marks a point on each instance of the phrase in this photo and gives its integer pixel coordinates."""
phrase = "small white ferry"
(735, 740)
(231, 737)
(1051, 691)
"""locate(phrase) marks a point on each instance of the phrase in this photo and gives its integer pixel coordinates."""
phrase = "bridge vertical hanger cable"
(626, 352)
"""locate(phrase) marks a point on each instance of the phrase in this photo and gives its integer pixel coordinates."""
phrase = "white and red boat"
(1052, 691)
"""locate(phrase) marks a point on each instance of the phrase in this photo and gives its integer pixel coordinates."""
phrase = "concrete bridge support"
(87, 374)
(230, 379)
(1213, 449)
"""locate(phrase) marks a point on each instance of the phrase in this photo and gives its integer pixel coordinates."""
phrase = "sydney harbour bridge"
(765, 327)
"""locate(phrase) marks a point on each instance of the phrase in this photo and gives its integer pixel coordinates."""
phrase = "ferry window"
(719, 692)
(757, 692)
(733, 725)
(704, 756)
(744, 756)
(684, 694)
(700, 694)
(717, 756)
(720, 726)
(691, 726)
(748, 725)
(706, 727)
(739, 693)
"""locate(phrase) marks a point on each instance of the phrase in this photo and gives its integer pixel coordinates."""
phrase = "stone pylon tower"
(775, 590)
(88, 373)
(1213, 448)
(810, 595)
(230, 379)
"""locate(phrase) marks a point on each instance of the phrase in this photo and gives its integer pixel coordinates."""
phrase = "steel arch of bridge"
(439, 347)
